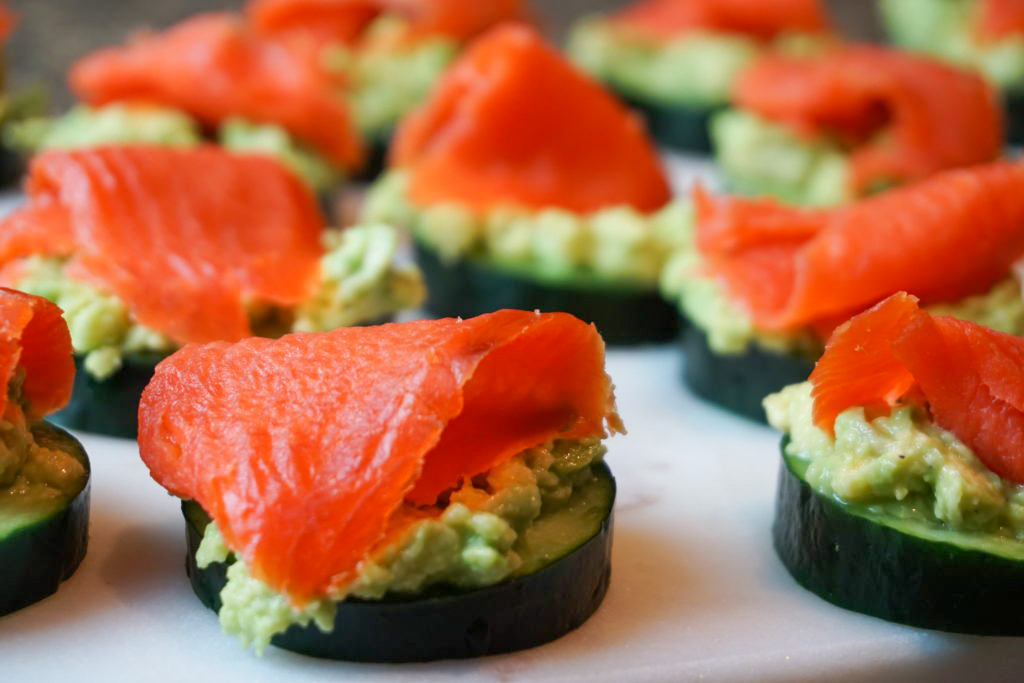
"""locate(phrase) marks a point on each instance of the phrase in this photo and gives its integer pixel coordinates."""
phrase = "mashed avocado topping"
(494, 527)
(35, 479)
(759, 157)
(360, 282)
(615, 245)
(125, 124)
(696, 69)
(704, 300)
(946, 30)
(386, 75)
(901, 466)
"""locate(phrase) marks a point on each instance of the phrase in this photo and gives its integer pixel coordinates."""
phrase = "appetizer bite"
(44, 472)
(766, 283)
(903, 471)
(987, 35)
(211, 74)
(405, 492)
(526, 185)
(150, 248)
(827, 128)
(677, 60)
(389, 54)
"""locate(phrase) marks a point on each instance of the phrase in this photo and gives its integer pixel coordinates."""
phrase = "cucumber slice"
(39, 552)
(899, 570)
(109, 406)
(624, 316)
(738, 382)
(682, 127)
(568, 579)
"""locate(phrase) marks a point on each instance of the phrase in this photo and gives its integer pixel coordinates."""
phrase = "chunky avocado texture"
(43, 529)
(566, 552)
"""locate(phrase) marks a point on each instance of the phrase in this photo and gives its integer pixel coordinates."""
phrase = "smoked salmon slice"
(950, 236)
(970, 378)
(213, 67)
(35, 338)
(999, 19)
(344, 21)
(763, 20)
(306, 448)
(512, 122)
(902, 116)
(184, 237)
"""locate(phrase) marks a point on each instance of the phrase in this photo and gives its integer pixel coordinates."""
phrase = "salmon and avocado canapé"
(527, 186)
(901, 488)
(451, 461)
(253, 258)
(850, 121)
(678, 60)
(44, 473)
(773, 281)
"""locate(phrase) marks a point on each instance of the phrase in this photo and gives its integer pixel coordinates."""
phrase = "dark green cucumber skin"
(681, 127)
(738, 382)
(864, 566)
(35, 559)
(1013, 108)
(108, 406)
(376, 157)
(446, 623)
(623, 317)
(12, 167)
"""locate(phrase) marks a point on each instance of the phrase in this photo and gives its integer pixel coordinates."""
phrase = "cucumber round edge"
(623, 316)
(679, 126)
(109, 406)
(738, 382)
(38, 557)
(868, 567)
(515, 614)
(1013, 106)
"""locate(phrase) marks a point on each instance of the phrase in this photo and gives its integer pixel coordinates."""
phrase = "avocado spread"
(511, 521)
(705, 302)
(126, 124)
(947, 29)
(759, 157)
(615, 245)
(387, 75)
(35, 479)
(360, 282)
(901, 466)
(696, 69)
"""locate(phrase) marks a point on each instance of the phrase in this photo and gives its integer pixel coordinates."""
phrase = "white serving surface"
(696, 592)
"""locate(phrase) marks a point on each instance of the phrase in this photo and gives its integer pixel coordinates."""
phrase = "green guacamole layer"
(125, 124)
(617, 245)
(758, 157)
(902, 467)
(705, 302)
(515, 519)
(946, 29)
(360, 282)
(36, 478)
(698, 69)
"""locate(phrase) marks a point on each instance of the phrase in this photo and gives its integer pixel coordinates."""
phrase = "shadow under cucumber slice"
(895, 569)
(109, 406)
(624, 316)
(560, 592)
(738, 382)
(39, 553)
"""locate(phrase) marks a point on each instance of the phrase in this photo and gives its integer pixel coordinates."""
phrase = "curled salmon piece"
(970, 378)
(345, 21)
(998, 19)
(903, 117)
(789, 267)
(214, 67)
(184, 237)
(34, 338)
(512, 122)
(309, 448)
(763, 20)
